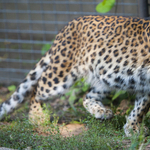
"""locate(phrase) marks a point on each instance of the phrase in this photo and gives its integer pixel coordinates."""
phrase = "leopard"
(111, 52)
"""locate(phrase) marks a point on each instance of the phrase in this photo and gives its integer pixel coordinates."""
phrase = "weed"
(77, 91)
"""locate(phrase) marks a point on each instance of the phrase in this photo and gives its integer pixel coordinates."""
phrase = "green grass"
(21, 134)
(16, 132)
(102, 135)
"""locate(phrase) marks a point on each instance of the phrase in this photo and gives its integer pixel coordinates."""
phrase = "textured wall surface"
(27, 25)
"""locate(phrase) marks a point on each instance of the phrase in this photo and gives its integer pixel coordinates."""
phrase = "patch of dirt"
(127, 143)
(123, 107)
(65, 131)
(3, 90)
(4, 123)
(72, 129)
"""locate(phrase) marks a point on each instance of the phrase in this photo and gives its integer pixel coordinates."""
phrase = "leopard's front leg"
(135, 118)
(94, 106)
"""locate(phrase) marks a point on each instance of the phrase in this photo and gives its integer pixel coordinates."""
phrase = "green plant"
(105, 6)
(117, 94)
(45, 48)
(12, 88)
(79, 88)
(47, 111)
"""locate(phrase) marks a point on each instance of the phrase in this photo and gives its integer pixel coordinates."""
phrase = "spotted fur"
(112, 53)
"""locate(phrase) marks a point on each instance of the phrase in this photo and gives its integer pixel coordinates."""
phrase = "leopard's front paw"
(101, 113)
(98, 110)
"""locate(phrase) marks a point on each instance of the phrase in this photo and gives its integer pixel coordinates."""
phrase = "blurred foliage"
(12, 88)
(77, 91)
(46, 48)
(105, 6)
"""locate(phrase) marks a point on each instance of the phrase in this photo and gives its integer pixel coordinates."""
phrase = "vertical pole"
(143, 8)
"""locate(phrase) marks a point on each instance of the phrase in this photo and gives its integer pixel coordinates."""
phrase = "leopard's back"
(115, 50)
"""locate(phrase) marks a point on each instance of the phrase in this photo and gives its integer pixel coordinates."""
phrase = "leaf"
(71, 101)
(85, 87)
(62, 97)
(107, 101)
(128, 110)
(81, 100)
(76, 83)
(82, 80)
(118, 93)
(76, 90)
(12, 88)
(105, 6)
(72, 98)
(69, 93)
(75, 122)
(79, 83)
(45, 48)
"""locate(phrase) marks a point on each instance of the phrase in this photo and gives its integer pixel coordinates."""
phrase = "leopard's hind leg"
(51, 86)
(36, 112)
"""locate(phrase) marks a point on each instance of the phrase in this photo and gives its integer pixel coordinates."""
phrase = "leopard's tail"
(25, 89)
